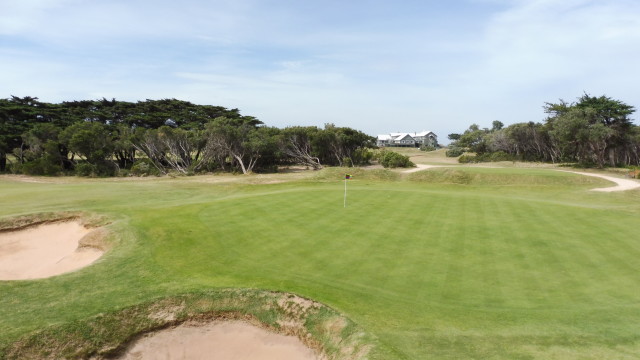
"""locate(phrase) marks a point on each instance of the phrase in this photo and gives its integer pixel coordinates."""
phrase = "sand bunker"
(233, 340)
(420, 167)
(44, 251)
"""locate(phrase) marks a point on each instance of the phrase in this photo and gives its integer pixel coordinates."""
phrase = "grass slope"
(448, 263)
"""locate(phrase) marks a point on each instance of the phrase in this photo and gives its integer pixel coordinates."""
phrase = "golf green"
(476, 263)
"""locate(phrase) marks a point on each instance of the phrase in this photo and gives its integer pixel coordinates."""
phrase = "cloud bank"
(374, 65)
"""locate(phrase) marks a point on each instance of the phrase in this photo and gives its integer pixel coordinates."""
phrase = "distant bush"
(466, 159)
(454, 152)
(427, 148)
(86, 169)
(266, 169)
(362, 156)
(144, 167)
(390, 159)
(486, 157)
(500, 156)
(41, 166)
(14, 168)
(106, 168)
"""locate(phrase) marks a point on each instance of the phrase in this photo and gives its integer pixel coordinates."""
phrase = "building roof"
(423, 133)
(402, 136)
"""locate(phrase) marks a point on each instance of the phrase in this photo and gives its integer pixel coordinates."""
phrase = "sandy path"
(44, 251)
(233, 340)
(420, 167)
(622, 184)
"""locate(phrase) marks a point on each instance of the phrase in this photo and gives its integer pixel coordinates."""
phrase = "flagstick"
(345, 191)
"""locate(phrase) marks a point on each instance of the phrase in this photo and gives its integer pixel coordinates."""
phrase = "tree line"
(110, 138)
(593, 131)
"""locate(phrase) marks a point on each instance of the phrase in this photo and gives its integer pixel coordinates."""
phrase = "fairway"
(439, 264)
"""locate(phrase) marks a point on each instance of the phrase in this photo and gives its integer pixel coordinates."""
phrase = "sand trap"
(44, 251)
(622, 184)
(232, 340)
(420, 167)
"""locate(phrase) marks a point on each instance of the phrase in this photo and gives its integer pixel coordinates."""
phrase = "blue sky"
(377, 66)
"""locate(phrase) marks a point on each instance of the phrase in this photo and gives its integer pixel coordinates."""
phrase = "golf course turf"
(509, 263)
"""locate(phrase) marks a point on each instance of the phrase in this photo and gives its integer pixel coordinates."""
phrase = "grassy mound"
(338, 173)
(20, 222)
(107, 335)
(503, 177)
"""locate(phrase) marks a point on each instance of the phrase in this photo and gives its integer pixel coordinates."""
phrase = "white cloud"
(365, 64)
(21, 16)
(542, 50)
(544, 40)
(65, 22)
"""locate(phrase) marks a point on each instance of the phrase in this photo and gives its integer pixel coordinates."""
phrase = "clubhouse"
(426, 138)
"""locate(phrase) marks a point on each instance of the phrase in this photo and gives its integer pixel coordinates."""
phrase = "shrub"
(106, 168)
(144, 167)
(501, 156)
(14, 168)
(362, 156)
(486, 157)
(41, 166)
(390, 159)
(427, 148)
(86, 169)
(266, 169)
(466, 159)
(454, 152)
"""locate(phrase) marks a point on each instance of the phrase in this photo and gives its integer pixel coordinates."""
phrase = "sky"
(378, 66)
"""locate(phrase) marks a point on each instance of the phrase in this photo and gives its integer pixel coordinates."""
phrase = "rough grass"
(336, 173)
(21, 222)
(503, 177)
(418, 156)
(515, 263)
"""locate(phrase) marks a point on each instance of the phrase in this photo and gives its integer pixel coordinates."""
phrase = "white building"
(426, 138)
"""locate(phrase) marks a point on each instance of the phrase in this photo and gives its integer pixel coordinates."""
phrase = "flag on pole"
(346, 177)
